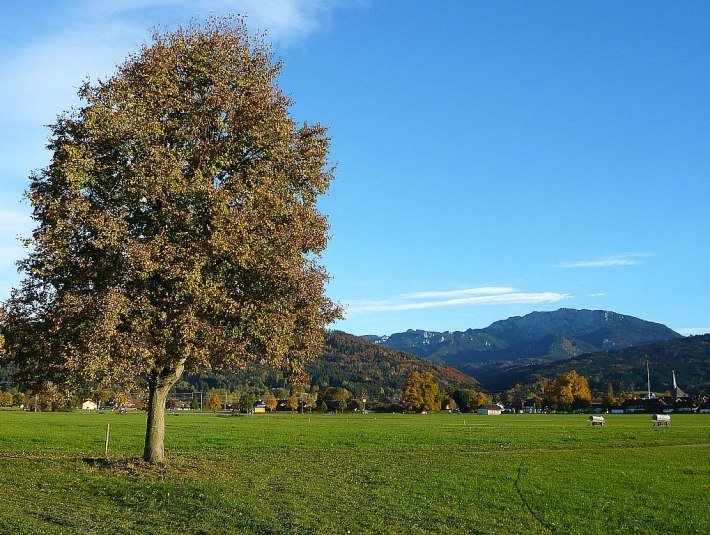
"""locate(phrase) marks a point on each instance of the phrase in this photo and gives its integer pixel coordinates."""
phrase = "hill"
(548, 336)
(624, 369)
(346, 361)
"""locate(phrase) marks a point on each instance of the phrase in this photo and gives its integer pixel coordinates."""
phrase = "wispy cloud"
(41, 77)
(485, 290)
(496, 295)
(598, 294)
(611, 261)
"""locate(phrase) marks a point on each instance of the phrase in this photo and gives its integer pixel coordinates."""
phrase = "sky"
(493, 158)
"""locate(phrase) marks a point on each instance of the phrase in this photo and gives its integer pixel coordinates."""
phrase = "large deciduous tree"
(177, 225)
(420, 392)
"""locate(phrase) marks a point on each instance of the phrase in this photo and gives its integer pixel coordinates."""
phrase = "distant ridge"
(623, 369)
(544, 336)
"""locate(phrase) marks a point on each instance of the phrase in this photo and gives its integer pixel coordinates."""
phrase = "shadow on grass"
(128, 466)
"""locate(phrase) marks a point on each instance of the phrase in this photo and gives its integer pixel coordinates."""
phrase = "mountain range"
(606, 347)
(542, 336)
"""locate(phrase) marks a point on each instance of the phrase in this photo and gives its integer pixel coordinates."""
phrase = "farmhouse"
(489, 410)
(89, 405)
(259, 407)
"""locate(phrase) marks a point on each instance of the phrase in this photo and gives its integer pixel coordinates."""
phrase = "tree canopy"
(420, 392)
(177, 224)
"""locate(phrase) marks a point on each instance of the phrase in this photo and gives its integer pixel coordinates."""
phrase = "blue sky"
(494, 158)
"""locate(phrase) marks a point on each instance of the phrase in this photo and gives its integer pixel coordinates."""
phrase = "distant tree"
(321, 405)
(246, 402)
(172, 403)
(567, 391)
(213, 403)
(420, 392)
(309, 400)
(18, 399)
(177, 225)
(293, 402)
(195, 404)
(608, 398)
(452, 404)
(102, 395)
(341, 405)
(469, 400)
(271, 402)
(333, 393)
(5, 399)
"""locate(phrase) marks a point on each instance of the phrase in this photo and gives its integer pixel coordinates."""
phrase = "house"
(489, 410)
(596, 406)
(650, 405)
(89, 405)
(259, 407)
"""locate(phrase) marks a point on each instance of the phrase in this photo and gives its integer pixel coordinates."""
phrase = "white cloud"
(598, 294)
(690, 331)
(505, 296)
(485, 290)
(42, 76)
(618, 260)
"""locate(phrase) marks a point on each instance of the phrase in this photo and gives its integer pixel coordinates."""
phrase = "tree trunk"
(159, 385)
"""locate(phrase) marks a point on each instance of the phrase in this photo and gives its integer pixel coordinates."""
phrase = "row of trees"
(565, 392)
(422, 393)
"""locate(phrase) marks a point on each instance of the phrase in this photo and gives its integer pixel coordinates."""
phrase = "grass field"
(359, 474)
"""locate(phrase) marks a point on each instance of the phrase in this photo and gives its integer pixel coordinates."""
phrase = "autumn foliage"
(420, 392)
(176, 225)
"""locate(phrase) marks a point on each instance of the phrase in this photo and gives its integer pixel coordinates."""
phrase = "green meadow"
(436, 473)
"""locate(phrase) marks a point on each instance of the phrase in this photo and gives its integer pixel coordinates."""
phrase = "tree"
(332, 396)
(5, 399)
(420, 392)
(246, 402)
(608, 398)
(214, 402)
(18, 399)
(293, 402)
(568, 390)
(451, 404)
(469, 400)
(177, 225)
(271, 402)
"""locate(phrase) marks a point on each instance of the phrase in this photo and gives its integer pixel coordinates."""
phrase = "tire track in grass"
(539, 520)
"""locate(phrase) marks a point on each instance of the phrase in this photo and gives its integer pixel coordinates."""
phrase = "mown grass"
(359, 474)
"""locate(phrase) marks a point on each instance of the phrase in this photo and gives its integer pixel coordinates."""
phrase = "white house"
(89, 405)
(489, 410)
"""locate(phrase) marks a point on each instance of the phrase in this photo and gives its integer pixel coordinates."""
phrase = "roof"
(490, 407)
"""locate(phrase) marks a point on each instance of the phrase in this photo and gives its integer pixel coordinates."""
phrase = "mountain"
(546, 336)
(624, 369)
(347, 361)
(350, 361)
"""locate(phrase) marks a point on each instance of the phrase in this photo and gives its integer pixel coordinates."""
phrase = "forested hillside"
(624, 369)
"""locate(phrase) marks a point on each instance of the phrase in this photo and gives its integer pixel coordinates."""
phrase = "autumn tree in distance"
(176, 225)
